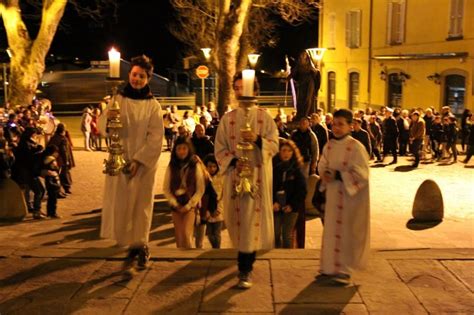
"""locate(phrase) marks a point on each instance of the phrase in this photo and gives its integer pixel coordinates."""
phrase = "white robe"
(249, 221)
(127, 209)
(346, 233)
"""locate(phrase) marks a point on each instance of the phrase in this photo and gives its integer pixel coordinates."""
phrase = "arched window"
(353, 89)
(331, 91)
(455, 88)
(395, 89)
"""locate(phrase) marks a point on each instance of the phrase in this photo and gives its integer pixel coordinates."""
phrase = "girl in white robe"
(345, 178)
(127, 209)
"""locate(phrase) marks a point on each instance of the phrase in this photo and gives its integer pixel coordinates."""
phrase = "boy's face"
(340, 127)
(212, 168)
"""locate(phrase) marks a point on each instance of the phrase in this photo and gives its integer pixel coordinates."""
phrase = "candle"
(114, 63)
(248, 76)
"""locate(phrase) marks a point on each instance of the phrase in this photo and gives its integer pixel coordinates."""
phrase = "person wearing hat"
(417, 133)
(390, 135)
(65, 158)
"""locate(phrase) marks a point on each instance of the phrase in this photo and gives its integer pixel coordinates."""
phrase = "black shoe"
(143, 257)
(129, 260)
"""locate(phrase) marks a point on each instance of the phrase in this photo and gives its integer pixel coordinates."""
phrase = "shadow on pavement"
(415, 225)
(341, 296)
(62, 298)
(404, 168)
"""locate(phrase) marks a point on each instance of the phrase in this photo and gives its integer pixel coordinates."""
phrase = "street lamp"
(253, 58)
(207, 53)
(316, 55)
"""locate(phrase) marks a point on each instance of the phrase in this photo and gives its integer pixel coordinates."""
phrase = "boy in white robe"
(345, 178)
(249, 220)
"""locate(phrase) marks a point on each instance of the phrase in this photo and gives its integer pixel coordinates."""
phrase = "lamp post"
(253, 59)
(316, 55)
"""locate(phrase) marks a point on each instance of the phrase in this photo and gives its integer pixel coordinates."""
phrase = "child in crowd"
(184, 185)
(289, 192)
(436, 137)
(344, 172)
(50, 170)
(215, 220)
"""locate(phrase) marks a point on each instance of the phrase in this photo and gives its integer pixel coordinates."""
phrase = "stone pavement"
(63, 267)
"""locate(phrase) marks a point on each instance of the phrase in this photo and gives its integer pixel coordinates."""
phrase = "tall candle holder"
(116, 163)
(245, 184)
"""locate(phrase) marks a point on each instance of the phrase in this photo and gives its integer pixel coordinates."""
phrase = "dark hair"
(143, 62)
(50, 149)
(344, 113)
(256, 85)
(297, 157)
(211, 158)
(174, 161)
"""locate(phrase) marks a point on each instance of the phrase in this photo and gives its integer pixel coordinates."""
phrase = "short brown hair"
(143, 62)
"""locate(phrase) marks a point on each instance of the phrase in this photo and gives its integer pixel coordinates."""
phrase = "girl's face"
(286, 153)
(138, 78)
(212, 168)
(182, 151)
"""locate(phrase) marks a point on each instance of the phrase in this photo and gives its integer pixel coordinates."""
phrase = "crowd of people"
(37, 160)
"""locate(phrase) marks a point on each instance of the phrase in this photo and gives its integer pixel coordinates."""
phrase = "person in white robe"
(127, 210)
(249, 220)
(345, 178)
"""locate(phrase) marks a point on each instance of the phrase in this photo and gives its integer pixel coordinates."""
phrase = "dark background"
(140, 27)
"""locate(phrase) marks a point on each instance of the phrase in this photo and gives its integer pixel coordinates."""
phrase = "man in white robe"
(249, 220)
(127, 210)
(345, 173)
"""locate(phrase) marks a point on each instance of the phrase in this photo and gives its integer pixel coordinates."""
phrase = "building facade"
(406, 53)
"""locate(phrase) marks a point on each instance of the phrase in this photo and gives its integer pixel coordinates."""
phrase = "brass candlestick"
(116, 162)
(245, 184)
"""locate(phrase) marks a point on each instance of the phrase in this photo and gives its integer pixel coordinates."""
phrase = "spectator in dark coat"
(319, 130)
(201, 143)
(361, 135)
(26, 170)
(390, 135)
(65, 160)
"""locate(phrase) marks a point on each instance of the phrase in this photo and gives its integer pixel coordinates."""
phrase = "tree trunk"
(229, 29)
(28, 57)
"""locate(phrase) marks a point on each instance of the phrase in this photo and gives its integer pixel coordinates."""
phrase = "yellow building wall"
(426, 31)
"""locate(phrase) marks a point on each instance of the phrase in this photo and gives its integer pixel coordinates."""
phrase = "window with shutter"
(332, 31)
(456, 18)
(396, 22)
(353, 28)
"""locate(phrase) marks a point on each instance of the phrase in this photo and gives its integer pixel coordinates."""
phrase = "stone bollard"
(12, 201)
(428, 205)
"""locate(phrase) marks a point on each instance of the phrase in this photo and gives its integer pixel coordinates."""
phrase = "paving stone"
(303, 309)
(96, 306)
(155, 299)
(46, 299)
(294, 282)
(434, 286)
(109, 282)
(221, 294)
(382, 290)
(190, 272)
(463, 269)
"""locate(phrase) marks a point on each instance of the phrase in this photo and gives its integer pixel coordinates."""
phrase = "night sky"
(141, 27)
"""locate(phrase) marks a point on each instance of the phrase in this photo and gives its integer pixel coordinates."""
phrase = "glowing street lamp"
(253, 58)
(316, 55)
(207, 53)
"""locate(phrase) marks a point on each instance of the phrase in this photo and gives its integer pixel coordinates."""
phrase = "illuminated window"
(353, 21)
(396, 22)
(456, 18)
